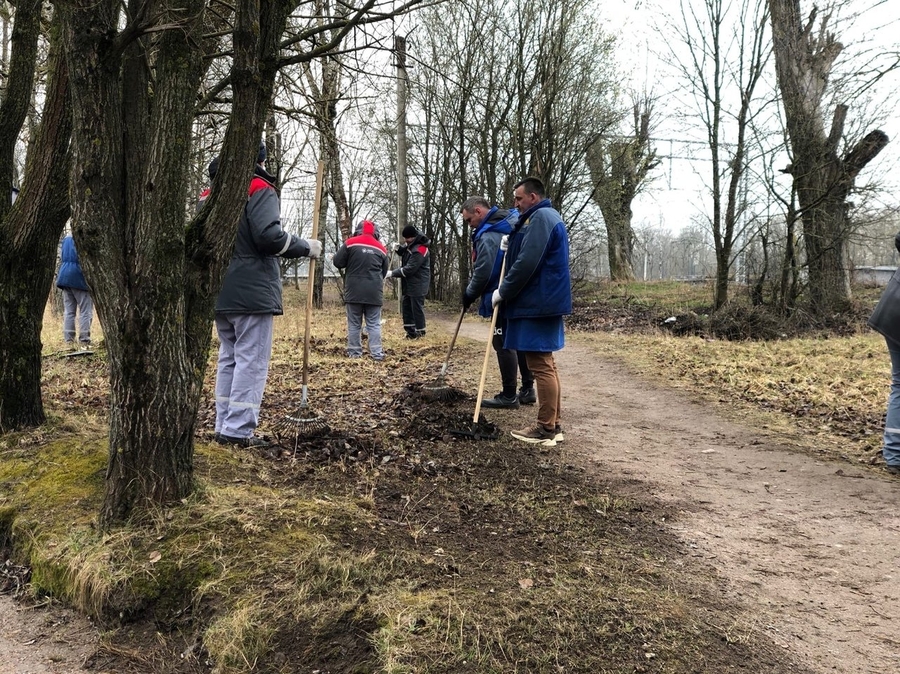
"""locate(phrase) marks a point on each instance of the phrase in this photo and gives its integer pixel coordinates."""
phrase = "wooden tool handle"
(487, 350)
(311, 281)
(453, 341)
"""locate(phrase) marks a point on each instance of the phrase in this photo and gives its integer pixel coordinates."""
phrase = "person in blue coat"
(249, 300)
(76, 297)
(488, 225)
(537, 293)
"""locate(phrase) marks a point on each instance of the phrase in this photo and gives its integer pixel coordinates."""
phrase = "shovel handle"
(487, 350)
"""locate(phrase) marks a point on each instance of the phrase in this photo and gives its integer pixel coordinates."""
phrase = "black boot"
(527, 395)
(502, 401)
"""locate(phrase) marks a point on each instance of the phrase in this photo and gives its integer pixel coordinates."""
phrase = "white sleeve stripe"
(287, 244)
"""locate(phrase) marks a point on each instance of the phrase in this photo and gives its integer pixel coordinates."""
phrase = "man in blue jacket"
(537, 293)
(365, 260)
(489, 225)
(249, 300)
(76, 297)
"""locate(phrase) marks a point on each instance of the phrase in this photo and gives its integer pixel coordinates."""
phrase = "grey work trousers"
(355, 314)
(77, 301)
(245, 347)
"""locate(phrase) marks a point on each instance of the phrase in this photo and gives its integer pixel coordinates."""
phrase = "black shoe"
(893, 470)
(501, 401)
(412, 336)
(251, 441)
(527, 396)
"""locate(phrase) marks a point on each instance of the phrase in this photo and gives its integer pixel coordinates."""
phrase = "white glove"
(504, 244)
(495, 298)
(315, 248)
(388, 276)
(399, 244)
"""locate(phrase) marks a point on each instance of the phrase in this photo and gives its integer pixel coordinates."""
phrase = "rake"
(304, 423)
(487, 350)
(437, 389)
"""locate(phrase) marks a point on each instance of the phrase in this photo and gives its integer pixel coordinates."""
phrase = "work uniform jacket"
(487, 257)
(366, 262)
(415, 267)
(537, 283)
(253, 281)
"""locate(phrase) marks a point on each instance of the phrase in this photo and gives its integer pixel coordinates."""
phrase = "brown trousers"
(546, 382)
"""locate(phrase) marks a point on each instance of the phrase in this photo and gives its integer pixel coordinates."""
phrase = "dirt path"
(42, 640)
(809, 549)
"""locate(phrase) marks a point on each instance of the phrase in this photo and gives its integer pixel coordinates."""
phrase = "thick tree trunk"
(823, 180)
(29, 234)
(620, 238)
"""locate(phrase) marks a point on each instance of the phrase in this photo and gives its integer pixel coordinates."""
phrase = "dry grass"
(428, 555)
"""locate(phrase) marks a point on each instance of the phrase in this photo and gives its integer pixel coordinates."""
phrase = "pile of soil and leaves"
(401, 538)
(685, 309)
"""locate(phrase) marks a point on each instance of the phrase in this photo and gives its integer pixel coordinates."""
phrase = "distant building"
(873, 276)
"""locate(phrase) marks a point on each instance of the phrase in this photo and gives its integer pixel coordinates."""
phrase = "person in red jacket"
(249, 300)
(365, 260)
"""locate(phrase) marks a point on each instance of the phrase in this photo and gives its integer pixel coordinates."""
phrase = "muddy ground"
(800, 554)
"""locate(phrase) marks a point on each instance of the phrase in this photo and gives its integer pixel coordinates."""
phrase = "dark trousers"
(413, 309)
(511, 363)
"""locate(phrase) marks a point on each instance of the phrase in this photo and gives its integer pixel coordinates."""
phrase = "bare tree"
(30, 228)
(726, 54)
(619, 169)
(823, 174)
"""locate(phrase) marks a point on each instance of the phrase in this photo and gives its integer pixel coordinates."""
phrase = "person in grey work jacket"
(248, 301)
(366, 262)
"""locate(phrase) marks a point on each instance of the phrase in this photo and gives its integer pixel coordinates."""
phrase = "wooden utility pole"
(402, 183)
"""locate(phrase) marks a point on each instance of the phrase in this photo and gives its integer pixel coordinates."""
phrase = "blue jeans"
(891, 449)
(372, 314)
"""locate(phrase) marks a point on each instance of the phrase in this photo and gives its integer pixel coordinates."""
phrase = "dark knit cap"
(261, 157)
(213, 168)
(409, 232)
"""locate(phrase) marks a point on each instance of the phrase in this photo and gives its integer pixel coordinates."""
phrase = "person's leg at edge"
(507, 362)
(546, 380)
(70, 305)
(252, 351)
(224, 367)
(891, 448)
(526, 393)
(85, 315)
(373, 325)
(354, 326)
(418, 310)
(409, 322)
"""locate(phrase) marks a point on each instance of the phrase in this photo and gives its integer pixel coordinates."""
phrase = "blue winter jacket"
(537, 283)
(70, 275)
(487, 256)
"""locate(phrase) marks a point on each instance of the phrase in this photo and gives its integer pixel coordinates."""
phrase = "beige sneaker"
(536, 435)
(558, 434)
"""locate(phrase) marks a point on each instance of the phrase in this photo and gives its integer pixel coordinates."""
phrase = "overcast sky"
(677, 195)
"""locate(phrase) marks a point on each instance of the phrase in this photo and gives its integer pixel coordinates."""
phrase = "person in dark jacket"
(76, 297)
(415, 276)
(247, 303)
(886, 320)
(489, 225)
(366, 262)
(537, 293)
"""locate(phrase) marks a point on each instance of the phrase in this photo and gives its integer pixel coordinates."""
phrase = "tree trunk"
(30, 231)
(154, 274)
(823, 180)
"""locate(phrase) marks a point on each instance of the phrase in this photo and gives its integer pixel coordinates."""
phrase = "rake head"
(302, 424)
(439, 390)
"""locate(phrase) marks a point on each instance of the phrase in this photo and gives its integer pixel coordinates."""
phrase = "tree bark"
(823, 180)
(30, 230)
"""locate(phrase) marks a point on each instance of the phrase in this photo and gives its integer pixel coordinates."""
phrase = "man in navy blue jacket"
(537, 293)
(489, 225)
(76, 297)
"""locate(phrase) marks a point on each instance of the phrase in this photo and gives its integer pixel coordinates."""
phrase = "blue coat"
(487, 256)
(70, 275)
(537, 283)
